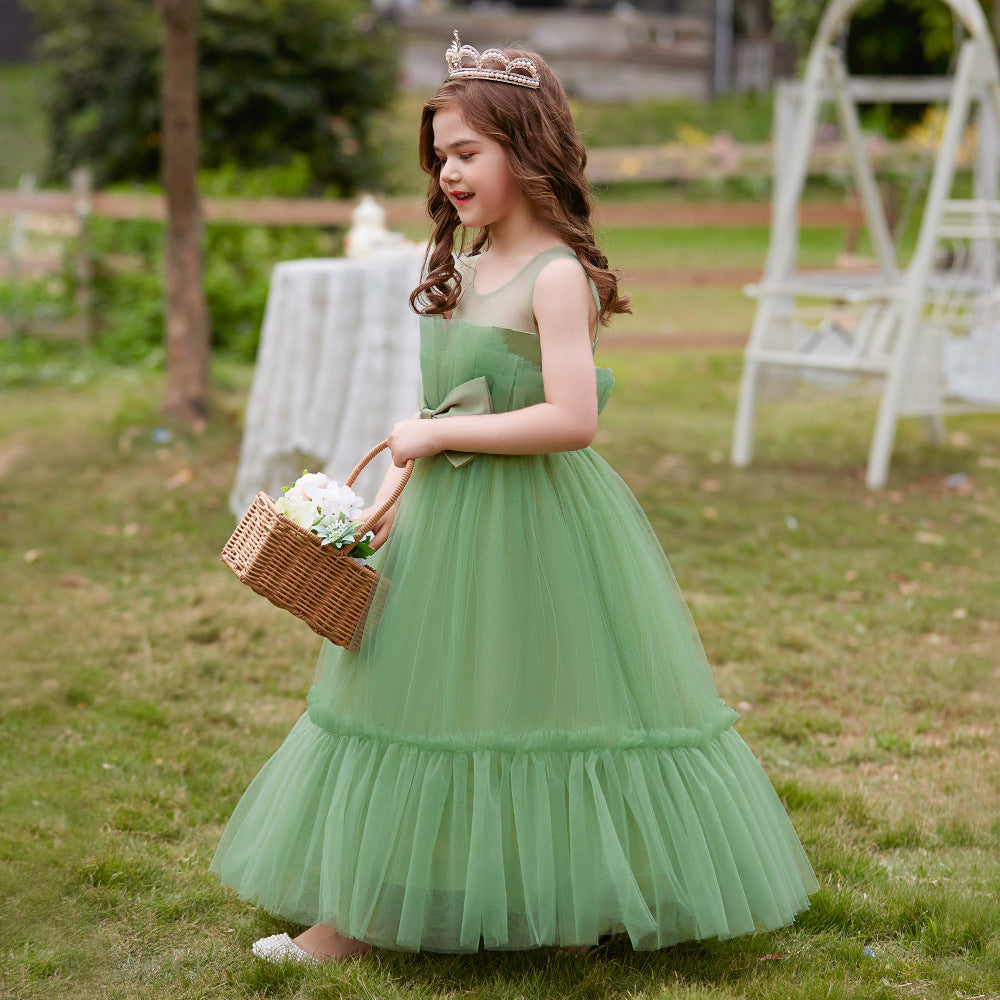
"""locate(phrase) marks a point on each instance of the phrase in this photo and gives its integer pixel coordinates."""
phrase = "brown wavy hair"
(547, 159)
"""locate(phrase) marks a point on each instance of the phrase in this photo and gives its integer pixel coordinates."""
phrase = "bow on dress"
(469, 398)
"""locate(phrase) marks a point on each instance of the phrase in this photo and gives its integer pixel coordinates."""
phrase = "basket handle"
(393, 497)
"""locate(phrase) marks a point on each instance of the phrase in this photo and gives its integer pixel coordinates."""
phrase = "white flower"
(314, 497)
(308, 485)
(302, 512)
(336, 501)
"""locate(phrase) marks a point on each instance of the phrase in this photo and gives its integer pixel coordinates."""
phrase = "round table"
(337, 366)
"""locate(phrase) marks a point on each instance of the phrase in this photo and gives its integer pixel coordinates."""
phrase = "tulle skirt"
(528, 748)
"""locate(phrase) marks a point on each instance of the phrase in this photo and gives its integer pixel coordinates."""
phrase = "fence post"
(83, 265)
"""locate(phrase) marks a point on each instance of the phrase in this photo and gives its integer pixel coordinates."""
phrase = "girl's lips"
(461, 197)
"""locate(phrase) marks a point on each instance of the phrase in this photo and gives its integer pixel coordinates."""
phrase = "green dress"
(528, 749)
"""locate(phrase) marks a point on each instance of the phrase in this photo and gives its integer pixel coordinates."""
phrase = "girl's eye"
(466, 156)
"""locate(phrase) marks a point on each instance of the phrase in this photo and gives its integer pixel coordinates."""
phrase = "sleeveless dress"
(528, 748)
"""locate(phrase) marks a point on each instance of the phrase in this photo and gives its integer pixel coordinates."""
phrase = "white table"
(337, 366)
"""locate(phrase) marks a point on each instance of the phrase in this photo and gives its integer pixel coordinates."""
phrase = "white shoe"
(281, 948)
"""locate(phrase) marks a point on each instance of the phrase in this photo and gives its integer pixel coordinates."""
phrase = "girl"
(528, 748)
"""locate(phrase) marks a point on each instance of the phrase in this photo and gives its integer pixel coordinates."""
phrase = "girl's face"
(475, 175)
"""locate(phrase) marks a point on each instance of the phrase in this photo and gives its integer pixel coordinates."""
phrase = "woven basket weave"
(331, 592)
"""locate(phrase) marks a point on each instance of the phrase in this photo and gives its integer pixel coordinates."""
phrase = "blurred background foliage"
(300, 97)
(238, 261)
(127, 294)
(886, 37)
(279, 80)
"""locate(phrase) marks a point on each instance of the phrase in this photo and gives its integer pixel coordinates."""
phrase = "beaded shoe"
(281, 948)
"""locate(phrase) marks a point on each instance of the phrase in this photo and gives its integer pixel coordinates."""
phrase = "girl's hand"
(413, 439)
(383, 527)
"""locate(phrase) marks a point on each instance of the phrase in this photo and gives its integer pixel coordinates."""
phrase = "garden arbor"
(927, 332)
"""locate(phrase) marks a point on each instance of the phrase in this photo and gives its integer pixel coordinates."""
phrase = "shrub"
(237, 270)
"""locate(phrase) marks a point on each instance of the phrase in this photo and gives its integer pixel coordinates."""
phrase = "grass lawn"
(687, 247)
(687, 311)
(143, 686)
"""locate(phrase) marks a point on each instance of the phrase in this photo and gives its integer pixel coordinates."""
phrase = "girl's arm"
(389, 482)
(564, 310)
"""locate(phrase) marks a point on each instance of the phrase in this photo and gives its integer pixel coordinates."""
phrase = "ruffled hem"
(413, 848)
(592, 738)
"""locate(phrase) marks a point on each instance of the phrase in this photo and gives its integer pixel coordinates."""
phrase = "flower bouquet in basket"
(305, 552)
(329, 511)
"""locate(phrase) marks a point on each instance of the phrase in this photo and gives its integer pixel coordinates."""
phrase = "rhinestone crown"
(466, 61)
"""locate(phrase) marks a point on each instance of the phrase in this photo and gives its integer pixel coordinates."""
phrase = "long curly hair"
(547, 159)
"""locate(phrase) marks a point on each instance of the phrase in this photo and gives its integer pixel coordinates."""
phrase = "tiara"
(466, 61)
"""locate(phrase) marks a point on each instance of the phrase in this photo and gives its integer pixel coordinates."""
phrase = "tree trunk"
(186, 392)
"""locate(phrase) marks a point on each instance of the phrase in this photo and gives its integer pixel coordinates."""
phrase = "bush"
(277, 78)
(237, 269)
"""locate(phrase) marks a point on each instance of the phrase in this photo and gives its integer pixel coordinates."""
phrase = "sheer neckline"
(474, 266)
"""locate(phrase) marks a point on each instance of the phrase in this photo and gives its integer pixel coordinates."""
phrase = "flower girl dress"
(528, 749)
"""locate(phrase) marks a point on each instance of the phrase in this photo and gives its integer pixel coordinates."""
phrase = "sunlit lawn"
(143, 686)
(669, 310)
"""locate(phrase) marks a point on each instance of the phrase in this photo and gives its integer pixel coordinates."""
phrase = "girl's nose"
(450, 169)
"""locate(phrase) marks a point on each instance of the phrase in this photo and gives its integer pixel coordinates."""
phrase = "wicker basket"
(331, 592)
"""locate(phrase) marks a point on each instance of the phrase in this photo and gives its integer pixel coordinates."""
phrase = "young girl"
(528, 749)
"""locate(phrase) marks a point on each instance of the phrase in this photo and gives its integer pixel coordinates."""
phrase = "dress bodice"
(492, 335)
(510, 305)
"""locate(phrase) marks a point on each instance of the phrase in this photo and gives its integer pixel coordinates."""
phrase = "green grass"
(629, 248)
(651, 122)
(697, 308)
(687, 311)
(142, 687)
(670, 309)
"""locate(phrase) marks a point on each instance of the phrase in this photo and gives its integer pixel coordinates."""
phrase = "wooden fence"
(70, 210)
(408, 211)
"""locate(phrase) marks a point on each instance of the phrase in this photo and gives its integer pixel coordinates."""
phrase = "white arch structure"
(894, 335)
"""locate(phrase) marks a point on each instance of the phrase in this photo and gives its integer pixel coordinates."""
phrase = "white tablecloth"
(337, 366)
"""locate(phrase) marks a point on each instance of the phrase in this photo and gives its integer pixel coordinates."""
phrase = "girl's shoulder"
(558, 270)
(562, 285)
(559, 264)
